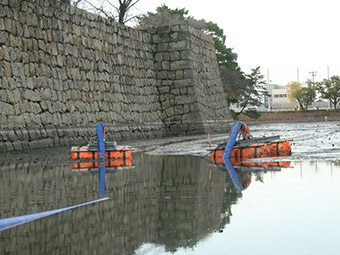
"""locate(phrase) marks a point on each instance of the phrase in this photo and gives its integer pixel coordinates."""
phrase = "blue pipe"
(232, 139)
(233, 175)
(101, 156)
(101, 143)
(18, 220)
(102, 174)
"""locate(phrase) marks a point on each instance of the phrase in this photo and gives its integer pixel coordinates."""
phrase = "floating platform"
(112, 151)
(253, 148)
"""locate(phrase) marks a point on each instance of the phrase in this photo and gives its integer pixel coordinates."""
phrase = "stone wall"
(62, 70)
(188, 80)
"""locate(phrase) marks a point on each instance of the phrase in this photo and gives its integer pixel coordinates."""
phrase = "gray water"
(168, 203)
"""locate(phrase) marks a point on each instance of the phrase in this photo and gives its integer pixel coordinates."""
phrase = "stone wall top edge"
(50, 9)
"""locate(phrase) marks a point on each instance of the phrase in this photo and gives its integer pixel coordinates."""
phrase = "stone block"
(6, 109)
(180, 65)
(178, 46)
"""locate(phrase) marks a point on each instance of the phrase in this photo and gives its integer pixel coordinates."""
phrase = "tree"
(104, 7)
(330, 89)
(235, 85)
(256, 89)
(165, 15)
(225, 56)
(305, 96)
(294, 92)
(308, 94)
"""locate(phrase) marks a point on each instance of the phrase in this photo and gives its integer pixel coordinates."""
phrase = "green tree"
(295, 93)
(308, 94)
(166, 16)
(225, 56)
(330, 89)
(235, 85)
(256, 89)
(305, 96)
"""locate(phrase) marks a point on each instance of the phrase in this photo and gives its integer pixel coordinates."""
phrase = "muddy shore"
(297, 116)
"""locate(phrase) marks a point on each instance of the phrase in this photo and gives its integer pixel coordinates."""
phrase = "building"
(279, 98)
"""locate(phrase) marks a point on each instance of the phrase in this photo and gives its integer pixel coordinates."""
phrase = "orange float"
(274, 148)
(280, 148)
(242, 153)
(108, 163)
(118, 152)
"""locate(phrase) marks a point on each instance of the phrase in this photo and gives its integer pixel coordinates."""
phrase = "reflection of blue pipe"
(18, 220)
(101, 156)
(102, 173)
(232, 139)
(227, 153)
(233, 175)
(101, 144)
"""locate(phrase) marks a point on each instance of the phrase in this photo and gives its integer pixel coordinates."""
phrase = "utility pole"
(297, 75)
(268, 98)
(328, 72)
(313, 73)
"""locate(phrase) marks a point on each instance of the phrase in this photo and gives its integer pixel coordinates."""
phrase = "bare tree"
(121, 8)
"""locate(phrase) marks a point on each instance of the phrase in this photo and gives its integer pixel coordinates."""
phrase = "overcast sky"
(287, 39)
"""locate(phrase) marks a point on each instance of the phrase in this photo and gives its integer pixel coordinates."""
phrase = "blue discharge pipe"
(101, 143)
(233, 175)
(18, 220)
(101, 156)
(232, 139)
(102, 173)
(227, 153)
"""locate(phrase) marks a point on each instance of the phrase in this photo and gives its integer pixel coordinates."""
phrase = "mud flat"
(297, 116)
(309, 140)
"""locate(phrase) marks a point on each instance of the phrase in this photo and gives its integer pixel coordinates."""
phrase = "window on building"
(280, 95)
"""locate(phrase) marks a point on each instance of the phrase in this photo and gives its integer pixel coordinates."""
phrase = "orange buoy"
(237, 162)
(284, 164)
(108, 163)
(83, 152)
(280, 148)
(253, 151)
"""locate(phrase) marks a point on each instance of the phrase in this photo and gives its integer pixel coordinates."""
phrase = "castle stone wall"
(62, 70)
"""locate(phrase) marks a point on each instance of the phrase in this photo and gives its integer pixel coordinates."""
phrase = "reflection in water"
(173, 201)
(102, 178)
(18, 220)
(240, 172)
(169, 201)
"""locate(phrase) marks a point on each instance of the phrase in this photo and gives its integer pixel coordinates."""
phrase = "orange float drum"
(280, 148)
(83, 152)
(108, 163)
(257, 151)
(241, 154)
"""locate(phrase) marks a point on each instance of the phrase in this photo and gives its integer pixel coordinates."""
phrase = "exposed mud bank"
(310, 141)
(298, 116)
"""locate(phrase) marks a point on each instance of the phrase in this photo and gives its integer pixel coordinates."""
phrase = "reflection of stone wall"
(62, 70)
(190, 204)
(163, 200)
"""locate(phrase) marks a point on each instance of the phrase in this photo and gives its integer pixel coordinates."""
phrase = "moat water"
(171, 202)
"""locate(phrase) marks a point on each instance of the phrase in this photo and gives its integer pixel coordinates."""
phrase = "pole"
(328, 72)
(268, 98)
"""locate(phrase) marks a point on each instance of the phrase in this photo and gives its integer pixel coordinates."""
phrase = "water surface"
(175, 204)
